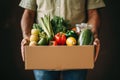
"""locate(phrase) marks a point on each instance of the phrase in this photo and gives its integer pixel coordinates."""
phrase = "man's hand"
(24, 42)
(94, 20)
(97, 47)
(26, 26)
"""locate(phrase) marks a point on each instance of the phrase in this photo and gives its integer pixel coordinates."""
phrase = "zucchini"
(85, 37)
(43, 41)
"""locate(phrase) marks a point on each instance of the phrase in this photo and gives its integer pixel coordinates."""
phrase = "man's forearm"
(27, 22)
(94, 20)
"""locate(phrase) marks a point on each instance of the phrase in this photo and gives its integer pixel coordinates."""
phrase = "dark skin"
(28, 20)
(26, 26)
(94, 20)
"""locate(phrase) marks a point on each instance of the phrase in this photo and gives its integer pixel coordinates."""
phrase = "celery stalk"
(44, 27)
(46, 22)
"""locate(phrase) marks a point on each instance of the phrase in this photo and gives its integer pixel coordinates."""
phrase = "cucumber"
(85, 37)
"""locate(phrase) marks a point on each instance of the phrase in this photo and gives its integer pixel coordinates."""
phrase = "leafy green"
(59, 24)
(37, 26)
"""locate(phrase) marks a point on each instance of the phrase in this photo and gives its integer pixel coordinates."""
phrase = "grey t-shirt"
(73, 10)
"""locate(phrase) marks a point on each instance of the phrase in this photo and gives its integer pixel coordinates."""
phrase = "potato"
(35, 31)
(34, 38)
(33, 43)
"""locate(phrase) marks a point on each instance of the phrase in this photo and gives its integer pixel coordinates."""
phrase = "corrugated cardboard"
(59, 57)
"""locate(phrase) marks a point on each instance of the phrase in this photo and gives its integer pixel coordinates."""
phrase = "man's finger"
(94, 43)
(23, 43)
(22, 52)
(97, 48)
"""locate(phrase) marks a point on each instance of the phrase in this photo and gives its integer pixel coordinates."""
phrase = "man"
(77, 11)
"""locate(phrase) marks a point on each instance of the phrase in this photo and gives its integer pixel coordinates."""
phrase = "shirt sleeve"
(28, 4)
(93, 4)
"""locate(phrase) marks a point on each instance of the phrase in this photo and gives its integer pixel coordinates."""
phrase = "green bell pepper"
(71, 33)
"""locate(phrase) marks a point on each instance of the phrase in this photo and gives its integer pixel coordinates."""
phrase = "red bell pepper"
(60, 38)
(53, 43)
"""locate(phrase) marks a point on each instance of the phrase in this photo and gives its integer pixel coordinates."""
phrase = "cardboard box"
(59, 57)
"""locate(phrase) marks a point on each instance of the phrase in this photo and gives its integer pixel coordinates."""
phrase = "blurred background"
(12, 67)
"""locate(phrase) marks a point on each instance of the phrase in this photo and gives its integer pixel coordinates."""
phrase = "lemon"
(71, 41)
